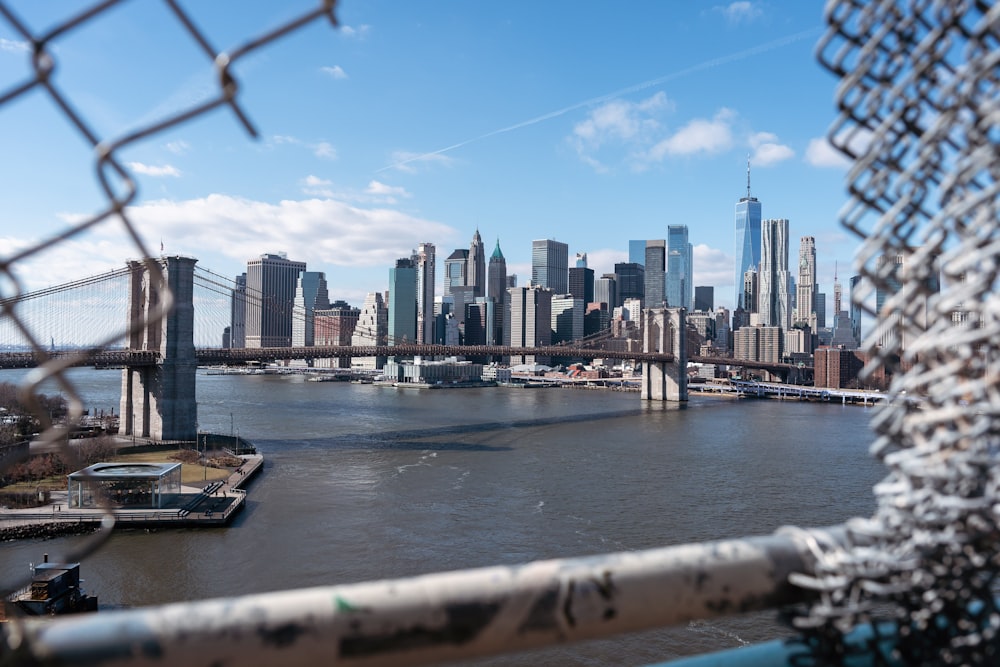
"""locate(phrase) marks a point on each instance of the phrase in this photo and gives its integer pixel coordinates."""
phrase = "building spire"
(748, 175)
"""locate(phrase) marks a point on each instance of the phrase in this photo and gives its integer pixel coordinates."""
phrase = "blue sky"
(590, 123)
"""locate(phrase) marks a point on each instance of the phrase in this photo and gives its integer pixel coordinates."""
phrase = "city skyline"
(421, 123)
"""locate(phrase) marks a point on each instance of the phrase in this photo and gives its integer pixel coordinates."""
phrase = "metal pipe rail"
(438, 617)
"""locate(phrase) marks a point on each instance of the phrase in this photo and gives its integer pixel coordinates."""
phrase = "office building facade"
(372, 328)
(680, 272)
(567, 318)
(606, 291)
(270, 296)
(530, 322)
(655, 267)
(550, 265)
(310, 295)
(581, 283)
(704, 298)
(402, 302)
(425, 259)
(496, 289)
(631, 281)
(476, 271)
(238, 313)
(805, 288)
(455, 267)
(748, 230)
(773, 301)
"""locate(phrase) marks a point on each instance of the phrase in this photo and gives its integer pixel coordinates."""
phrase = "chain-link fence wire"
(919, 116)
(119, 190)
(919, 110)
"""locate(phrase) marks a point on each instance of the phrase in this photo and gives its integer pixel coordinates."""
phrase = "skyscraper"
(704, 298)
(550, 265)
(567, 318)
(581, 283)
(238, 313)
(334, 327)
(631, 281)
(270, 294)
(530, 321)
(497, 290)
(475, 273)
(310, 295)
(805, 300)
(679, 270)
(455, 268)
(581, 260)
(372, 328)
(654, 282)
(773, 299)
(890, 268)
(425, 259)
(403, 302)
(606, 291)
(855, 311)
(748, 231)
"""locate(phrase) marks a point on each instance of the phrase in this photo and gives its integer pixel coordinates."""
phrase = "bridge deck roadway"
(134, 358)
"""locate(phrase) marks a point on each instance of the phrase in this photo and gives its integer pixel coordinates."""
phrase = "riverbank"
(211, 505)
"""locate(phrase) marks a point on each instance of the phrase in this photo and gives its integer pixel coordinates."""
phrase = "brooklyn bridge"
(160, 319)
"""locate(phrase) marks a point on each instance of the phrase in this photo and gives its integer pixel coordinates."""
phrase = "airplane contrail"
(708, 64)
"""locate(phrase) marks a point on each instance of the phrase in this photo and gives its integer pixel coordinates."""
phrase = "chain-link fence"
(919, 115)
(116, 183)
(919, 112)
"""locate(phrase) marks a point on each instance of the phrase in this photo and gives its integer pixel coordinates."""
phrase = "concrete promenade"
(211, 505)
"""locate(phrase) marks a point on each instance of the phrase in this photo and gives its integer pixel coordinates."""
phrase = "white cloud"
(318, 231)
(615, 123)
(178, 147)
(712, 267)
(11, 46)
(156, 171)
(603, 260)
(821, 154)
(389, 192)
(698, 136)
(767, 150)
(322, 149)
(739, 12)
(314, 186)
(360, 32)
(337, 72)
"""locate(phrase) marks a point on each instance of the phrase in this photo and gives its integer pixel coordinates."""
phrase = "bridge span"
(160, 360)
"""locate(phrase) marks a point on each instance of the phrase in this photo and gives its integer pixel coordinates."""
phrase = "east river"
(364, 482)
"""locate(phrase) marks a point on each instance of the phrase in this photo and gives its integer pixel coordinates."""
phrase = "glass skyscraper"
(550, 265)
(656, 271)
(747, 240)
(403, 302)
(679, 269)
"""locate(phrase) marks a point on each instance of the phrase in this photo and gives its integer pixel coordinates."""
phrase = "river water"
(364, 482)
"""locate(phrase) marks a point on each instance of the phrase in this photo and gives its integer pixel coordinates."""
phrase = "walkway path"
(212, 505)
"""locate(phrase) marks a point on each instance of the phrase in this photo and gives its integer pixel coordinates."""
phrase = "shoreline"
(211, 506)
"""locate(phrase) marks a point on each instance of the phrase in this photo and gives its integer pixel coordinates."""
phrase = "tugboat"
(55, 589)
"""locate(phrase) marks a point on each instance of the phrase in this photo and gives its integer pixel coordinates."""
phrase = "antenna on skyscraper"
(748, 175)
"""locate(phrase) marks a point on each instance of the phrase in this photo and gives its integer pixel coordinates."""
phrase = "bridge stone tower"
(665, 331)
(158, 402)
